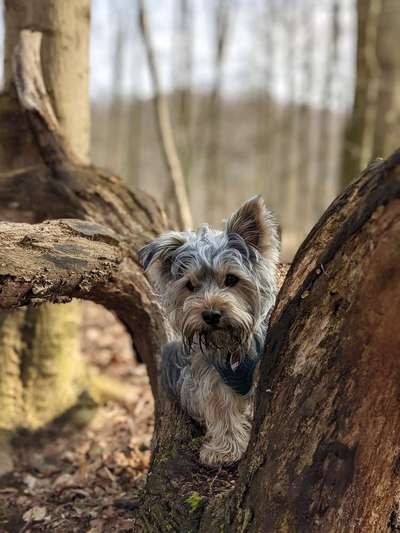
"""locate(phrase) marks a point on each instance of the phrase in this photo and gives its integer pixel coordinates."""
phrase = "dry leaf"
(36, 514)
(30, 481)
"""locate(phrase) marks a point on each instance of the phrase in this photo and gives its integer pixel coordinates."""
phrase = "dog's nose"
(211, 317)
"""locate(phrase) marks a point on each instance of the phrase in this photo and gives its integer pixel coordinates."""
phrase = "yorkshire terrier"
(218, 289)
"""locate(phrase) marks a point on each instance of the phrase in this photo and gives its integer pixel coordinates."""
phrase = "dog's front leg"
(228, 427)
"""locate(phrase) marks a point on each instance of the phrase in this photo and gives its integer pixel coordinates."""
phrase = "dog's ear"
(257, 227)
(162, 250)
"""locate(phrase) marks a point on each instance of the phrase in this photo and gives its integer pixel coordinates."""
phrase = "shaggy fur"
(218, 289)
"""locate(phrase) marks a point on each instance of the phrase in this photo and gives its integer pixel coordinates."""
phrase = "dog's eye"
(231, 280)
(190, 287)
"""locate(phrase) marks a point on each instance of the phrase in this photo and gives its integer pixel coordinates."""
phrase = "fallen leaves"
(36, 514)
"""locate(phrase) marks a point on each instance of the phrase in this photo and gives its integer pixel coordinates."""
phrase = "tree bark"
(35, 259)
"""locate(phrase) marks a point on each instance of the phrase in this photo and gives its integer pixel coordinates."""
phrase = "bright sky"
(245, 62)
(245, 66)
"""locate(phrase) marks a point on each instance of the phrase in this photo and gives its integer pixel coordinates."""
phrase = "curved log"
(65, 188)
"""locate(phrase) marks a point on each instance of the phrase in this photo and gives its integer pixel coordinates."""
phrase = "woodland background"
(288, 99)
(261, 95)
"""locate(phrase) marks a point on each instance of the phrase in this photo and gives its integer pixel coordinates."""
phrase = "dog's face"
(217, 286)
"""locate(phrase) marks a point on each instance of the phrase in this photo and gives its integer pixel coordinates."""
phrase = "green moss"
(195, 443)
(194, 500)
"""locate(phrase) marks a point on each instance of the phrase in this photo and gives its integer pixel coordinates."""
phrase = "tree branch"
(166, 136)
(56, 261)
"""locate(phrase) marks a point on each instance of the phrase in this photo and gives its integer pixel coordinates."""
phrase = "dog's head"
(218, 286)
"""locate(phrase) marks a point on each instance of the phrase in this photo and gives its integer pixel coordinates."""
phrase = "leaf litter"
(85, 479)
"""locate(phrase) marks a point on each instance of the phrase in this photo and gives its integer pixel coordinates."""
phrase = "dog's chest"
(214, 369)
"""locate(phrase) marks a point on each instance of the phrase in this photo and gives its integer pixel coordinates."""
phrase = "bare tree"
(373, 129)
(114, 139)
(45, 340)
(306, 115)
(327, 118)
(265, 112)
(182, 57)
(288, 146)
(213, 170)
(178, 202)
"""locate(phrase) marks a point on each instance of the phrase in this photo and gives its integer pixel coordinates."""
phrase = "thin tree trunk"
(178, 202)
(115, 111)
(287, 148)
(304, 202)
(265, 113)
(361, 130)
(133, 146)
(325, 140)
(279, 116)
(213, 177)
(182, 74)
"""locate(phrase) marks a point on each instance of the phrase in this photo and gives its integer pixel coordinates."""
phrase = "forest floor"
(75, 477)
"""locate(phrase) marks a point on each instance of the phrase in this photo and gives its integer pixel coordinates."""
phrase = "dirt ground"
(84, 477)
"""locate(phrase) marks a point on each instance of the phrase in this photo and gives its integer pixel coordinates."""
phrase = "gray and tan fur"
(218, 289)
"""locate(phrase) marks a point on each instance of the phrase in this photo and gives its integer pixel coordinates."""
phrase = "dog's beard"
(230, 339)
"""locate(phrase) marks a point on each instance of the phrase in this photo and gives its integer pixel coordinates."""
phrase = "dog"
(218, 289)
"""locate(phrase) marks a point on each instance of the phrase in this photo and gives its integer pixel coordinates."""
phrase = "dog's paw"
(214, 457)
